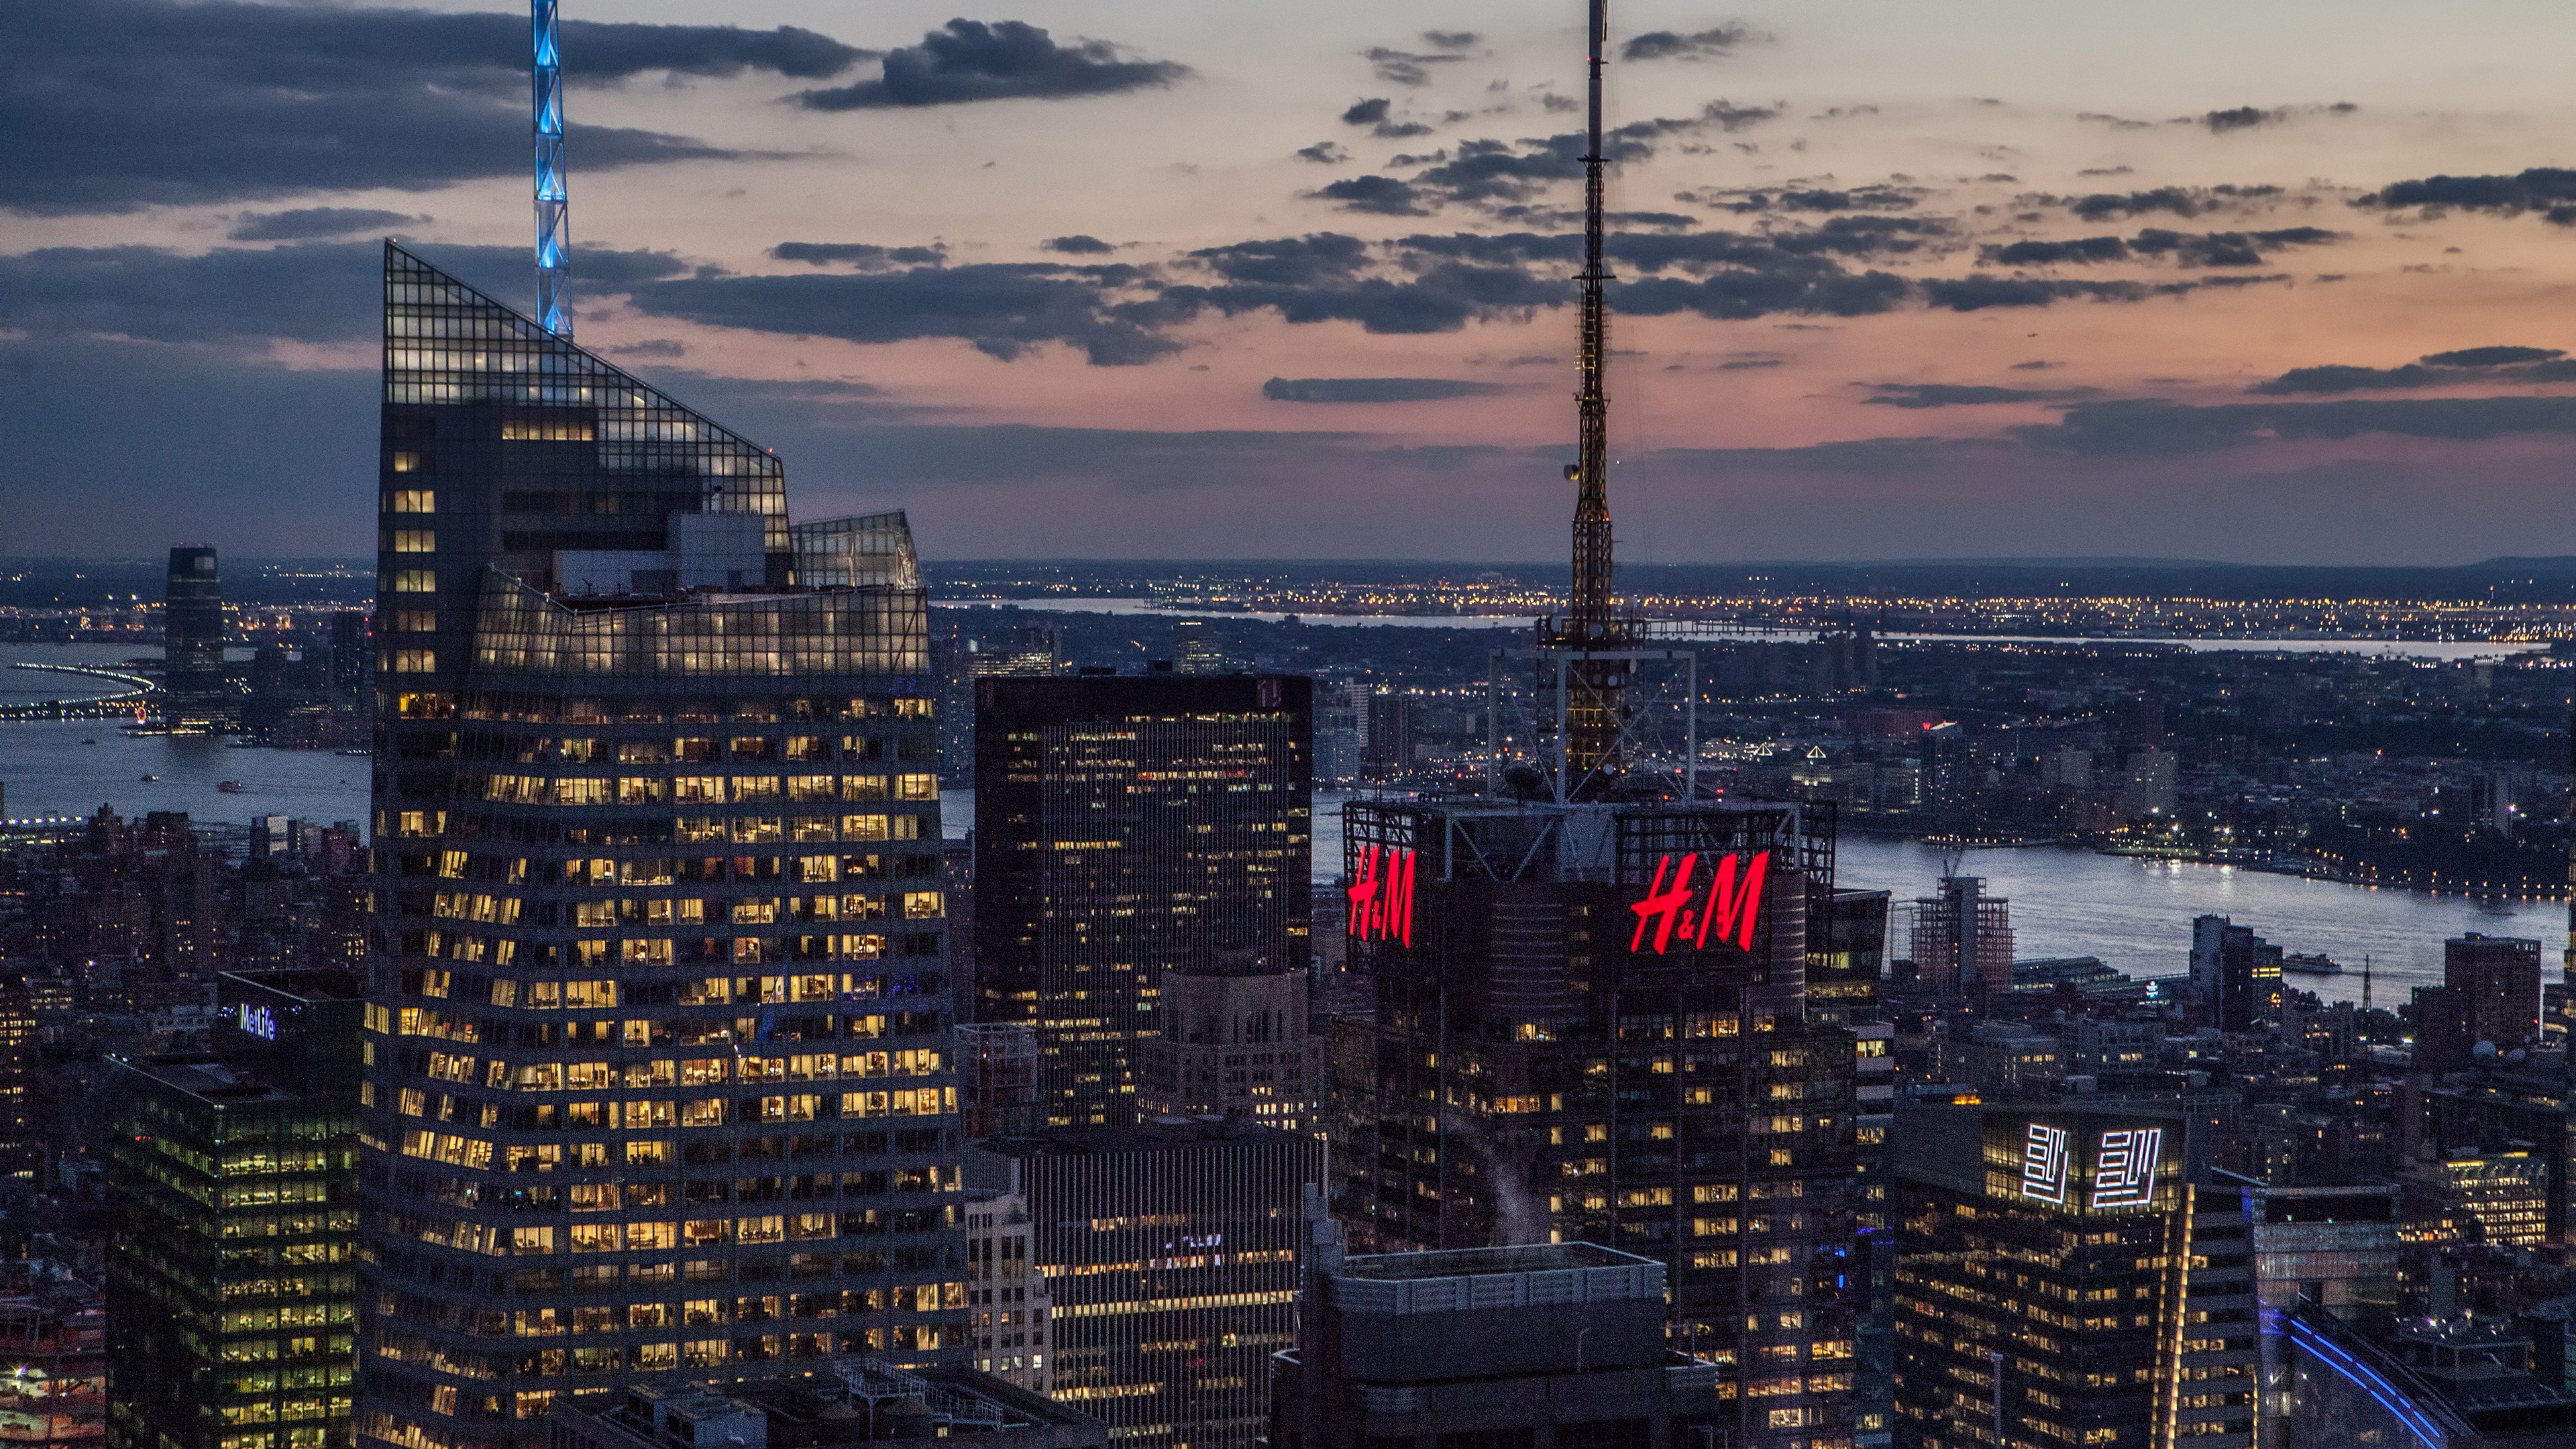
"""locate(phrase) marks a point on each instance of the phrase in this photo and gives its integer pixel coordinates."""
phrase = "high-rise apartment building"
(1172, 1256)
(1846, 957)
(2237, 974)
(1963, 942)
(232, 1261)
(1007, 1302)
(1126, 826)
(1590, 1026)
(2060, 1281)
(192, 648)
(657, 1053)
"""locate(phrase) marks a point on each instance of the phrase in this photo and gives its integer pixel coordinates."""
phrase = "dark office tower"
(352, 652)
(1390, 736)
(658, 1073)
(2058, 1282)
(1125, 826)
(233, 1252)
(1846, 955)
(2237, 975)
(2495, 982)
(192, 648)
(1590, 1026)
(1171, 1251)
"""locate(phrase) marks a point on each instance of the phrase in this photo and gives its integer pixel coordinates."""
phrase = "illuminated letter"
(1663, 906)
(1735, 908)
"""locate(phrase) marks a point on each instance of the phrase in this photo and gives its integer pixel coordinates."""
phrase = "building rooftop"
(1479, 1262)
(1152, 1134)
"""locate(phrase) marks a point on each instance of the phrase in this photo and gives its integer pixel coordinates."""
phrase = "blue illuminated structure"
(554, 241)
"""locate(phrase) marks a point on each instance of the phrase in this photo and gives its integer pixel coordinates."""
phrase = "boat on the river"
(2316, 965)
(148, 779)
(229, 787)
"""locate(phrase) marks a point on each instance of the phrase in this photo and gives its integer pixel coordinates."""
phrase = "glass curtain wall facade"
(1126, 827)
(657, 1073)
(192, 648)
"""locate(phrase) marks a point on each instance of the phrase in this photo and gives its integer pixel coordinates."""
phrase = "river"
(2135, 915)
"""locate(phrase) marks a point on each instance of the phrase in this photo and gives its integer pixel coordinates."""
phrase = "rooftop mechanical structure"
(554, 237)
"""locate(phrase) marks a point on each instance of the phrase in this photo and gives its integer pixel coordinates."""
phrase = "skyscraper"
(2058, 1282)
(1963, 943)
(234, 1186)
(192, 648)
(2237, 974)
(1126, 826)
(656, 1024)
(1590, 1026)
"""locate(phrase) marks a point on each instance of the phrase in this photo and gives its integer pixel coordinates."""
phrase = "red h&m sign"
(1727, 906)
(1382, 896)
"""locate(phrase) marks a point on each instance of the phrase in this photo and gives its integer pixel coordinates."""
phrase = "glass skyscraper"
(1127, 827)
(192, 648)
(657, 1075)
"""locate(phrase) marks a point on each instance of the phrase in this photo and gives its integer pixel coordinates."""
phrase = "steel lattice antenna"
(554, 239)
(1591, 711)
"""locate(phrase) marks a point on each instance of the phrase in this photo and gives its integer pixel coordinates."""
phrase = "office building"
(2334, 1248)
(1963, 943)
(843, 1401)
(232, 1262)
(1387, 751)
(1171, 1251)
(200, 695)
(658, 1068)
(1233, 1042)
(1126, 826)
(1007, 1302)
(2494, 983)
(2236, 974)
(2445, 1383)
(1606, 1004)
(2041, 1297)
(997, 1079)
(1539, 1344)
(2501, 1195)
(1846, 957)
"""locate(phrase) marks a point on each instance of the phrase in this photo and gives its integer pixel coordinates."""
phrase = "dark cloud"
(2151, 428)
(1873, 199)
(1451, 39)
(2492, 356)
(2207, 249)
(1494, 172)
(1002, 309)
(1743, 363)
(2486, 365)
(1369, 112)
(1372, 389)
(1324, 153)
(863, 255)
(1975, 294)
(2549, 190)
(971, 60)
(2183, 201)
(1697, 45)
(1950, 395)
(2241, 118)
(308, 292)
(144, 102)
(316, 222)
(1404, 67)
(1324, 277)
(1383, 195)
(1078, 245)
(651, 347)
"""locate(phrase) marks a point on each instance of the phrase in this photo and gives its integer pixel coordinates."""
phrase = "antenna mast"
(554, 241)
(1590, 713)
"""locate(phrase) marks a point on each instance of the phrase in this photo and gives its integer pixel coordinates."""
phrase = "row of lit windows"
(682, 789)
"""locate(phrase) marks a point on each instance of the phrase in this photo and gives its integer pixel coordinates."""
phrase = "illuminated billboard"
(2081, 1163)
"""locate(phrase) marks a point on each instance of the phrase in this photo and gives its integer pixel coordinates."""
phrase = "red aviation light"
(1382, 896)
(1727, 906)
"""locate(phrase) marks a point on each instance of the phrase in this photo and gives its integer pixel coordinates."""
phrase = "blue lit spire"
(554, 239)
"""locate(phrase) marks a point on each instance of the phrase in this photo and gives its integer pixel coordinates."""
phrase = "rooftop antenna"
(554, 240)
(1591, 633)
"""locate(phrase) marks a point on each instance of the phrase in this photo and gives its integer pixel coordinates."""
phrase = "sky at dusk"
(2288, 282)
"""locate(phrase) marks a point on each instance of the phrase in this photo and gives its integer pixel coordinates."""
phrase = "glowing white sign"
(2045, 1163)
(259, 1021)
(2124, 1170)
